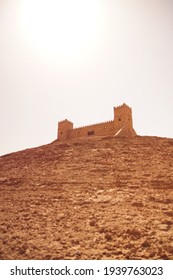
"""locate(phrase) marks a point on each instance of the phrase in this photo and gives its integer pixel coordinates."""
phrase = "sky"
(77, 59)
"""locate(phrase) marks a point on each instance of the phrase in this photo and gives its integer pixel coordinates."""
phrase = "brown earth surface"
(96, 198)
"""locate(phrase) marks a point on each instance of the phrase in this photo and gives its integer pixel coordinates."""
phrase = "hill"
(96, 198)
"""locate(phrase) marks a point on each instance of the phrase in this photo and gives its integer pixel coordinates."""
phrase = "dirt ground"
(96, 198)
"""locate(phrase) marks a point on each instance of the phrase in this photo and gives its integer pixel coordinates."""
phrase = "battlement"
(121, 125)
(122, 106)
(64, 121)
(87, 126)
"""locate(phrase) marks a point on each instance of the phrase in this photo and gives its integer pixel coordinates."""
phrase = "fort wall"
(99, 129)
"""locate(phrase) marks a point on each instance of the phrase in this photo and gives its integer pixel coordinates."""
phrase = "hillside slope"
(97, 198)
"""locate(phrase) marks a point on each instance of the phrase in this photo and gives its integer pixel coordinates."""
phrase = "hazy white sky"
(76, 59)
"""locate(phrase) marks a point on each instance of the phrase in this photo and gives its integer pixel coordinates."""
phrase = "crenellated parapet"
(90, 125)
(122, 106)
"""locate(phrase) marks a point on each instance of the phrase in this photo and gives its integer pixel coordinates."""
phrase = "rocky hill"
(96, 198)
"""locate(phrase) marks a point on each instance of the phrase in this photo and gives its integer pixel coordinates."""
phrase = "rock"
(138, 204)
(164, 256)
(93, 222)
(22, 249)
(103, 199)
(108, 236)
(163, 227)
(135, 233)
(146, 244)
(60, 216)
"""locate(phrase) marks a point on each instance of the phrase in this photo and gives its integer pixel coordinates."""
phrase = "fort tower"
(122, 116)
(63, 129)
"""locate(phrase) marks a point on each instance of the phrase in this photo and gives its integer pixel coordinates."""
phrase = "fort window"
(61, 132)
(90, 132)
(119, 119)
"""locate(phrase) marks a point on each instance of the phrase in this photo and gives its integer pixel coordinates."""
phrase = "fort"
(121, 125)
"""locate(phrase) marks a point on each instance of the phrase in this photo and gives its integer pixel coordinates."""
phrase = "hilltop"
(94, 198)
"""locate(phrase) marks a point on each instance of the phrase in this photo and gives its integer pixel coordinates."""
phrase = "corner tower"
(63, 128)
(123, 122)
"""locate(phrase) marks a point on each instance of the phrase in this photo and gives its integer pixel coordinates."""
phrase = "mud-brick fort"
(121, 125)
